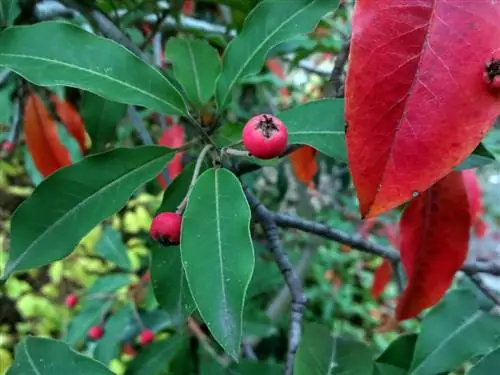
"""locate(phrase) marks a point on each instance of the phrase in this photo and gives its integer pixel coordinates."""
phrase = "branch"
(266, 219)
(476, 279)
(335, 86)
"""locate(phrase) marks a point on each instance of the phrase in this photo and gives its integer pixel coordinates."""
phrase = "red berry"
(8, 147)
(265, 136)
(146, 337)
(129, 350)
(146, 277)
(95, 333)
(166, 228)
(71, 300)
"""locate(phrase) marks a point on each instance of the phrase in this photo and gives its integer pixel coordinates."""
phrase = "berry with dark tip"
(166, 228)
(265, 136)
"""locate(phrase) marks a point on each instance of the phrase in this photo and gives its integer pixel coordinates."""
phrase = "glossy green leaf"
(322, 354)
(9, 11)
(109, 283)
(77, 58)
(170, 284)
(453, 332)
(6, 104)
(108, 347)
(112, 248)
(42, 356)
(385, 369)
(154, 359)
(101, 118)
(488, 365)
(308, 124)
(479, 158)
(217, 254)
(196, 66)
(399, 353)
(75, 199)
(90, 315)
(269, 24)
(246, 367)
(34, 174)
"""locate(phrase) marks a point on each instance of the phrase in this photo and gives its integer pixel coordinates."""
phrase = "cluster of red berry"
(264, 136)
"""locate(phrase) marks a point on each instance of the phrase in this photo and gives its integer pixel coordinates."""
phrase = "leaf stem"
(196, 172)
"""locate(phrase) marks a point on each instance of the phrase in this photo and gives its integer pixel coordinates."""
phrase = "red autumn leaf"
(475, 201)
(71, 120)
(416, 104)
(434, 238)
(275, 67)
(42, 139)
(304, 164)
(382, 276)
(172, 137)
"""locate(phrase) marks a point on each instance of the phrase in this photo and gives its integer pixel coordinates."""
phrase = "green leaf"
(385, 369)
(479, 158)
(269, 24)
(112, 248)
(170, 284)
(75, 199)
(319, 124)
(79, 59)
(109, 284)
(42, 356)
(488, 365)
(399, 353)
(217, 254)
(196, 66)
(70, 143)
(101, 118)
(108, 347)
(246, 367)
(91, 314)
(453, 332)
(322, 354)
(6, 104)
(9, 11)
(154, 359)
(34, 174)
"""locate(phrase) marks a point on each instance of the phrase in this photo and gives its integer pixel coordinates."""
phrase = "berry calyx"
(71, 300)
(265, 136)
(166, 228)
(146, 337)
(492, 73)
(95, 332)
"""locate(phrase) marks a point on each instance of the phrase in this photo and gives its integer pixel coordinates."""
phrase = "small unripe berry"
(146, 337)
(95, 333)
(71, 300)
(265, 136)
(166, 228)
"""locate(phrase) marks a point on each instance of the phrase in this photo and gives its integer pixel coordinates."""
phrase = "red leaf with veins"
(434, 239)
(172, 137)
(416, 101)
(475, 201)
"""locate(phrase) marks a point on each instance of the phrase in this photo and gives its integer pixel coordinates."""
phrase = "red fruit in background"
(8, 147)
(166, 228)
(128, 349)
(146, 337)
(265, 136)
(95, 333)
(71, 300)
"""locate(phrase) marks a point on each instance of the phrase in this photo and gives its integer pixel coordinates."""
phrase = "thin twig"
(476, 279)
(335, 86)
(196, 172)
(266, 219)
(206, 343)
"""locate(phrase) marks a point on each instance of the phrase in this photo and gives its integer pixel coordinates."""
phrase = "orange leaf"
(172, 137)
(304, 164)
(275, 67)
(71, 120)
(42, 138)
(434, 239)
(382, 276)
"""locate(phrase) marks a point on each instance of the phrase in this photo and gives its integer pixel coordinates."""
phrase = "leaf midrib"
(259, 47)
(195, 73)
(100, 75)
(467, 323)
(30, 360)
(76, 208)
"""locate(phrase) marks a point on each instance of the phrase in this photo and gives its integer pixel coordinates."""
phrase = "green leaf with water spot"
(217, 254)
(319, 124)
(267, 25)
(74, 200)
(77, 58)
(43, 356)
(196, 66)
